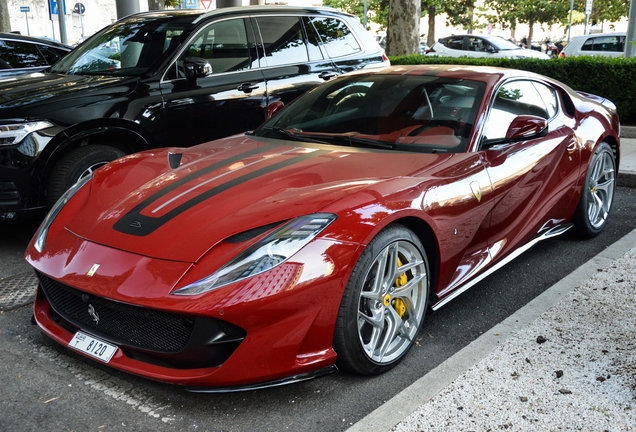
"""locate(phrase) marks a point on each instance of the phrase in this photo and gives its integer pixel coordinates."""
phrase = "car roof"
(33, 39)
(477, 73)
(199, 15)
(599, 35)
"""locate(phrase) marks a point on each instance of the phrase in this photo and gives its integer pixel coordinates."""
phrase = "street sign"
(53, 8)
(25, 9)
(588, 7)
(190, 4)
(79, 8)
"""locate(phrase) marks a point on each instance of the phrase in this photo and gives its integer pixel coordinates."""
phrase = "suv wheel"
(77, 164)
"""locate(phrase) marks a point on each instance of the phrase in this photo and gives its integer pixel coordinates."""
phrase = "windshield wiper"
(353, 139)
(289, 134)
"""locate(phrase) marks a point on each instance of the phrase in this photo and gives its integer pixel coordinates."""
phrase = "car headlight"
(43, 231)
(268, 253)
(14, 133)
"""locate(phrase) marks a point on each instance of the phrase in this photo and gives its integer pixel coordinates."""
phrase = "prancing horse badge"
(92, 271)
(474, 186)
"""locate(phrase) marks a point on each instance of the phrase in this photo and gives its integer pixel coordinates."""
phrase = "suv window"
(604, 43)
(454, 42)
(336, 36)
(283, 40)
(21, 54)
(225, 45)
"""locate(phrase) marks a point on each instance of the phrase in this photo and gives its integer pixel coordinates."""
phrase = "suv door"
(228, 100)
(294, 60)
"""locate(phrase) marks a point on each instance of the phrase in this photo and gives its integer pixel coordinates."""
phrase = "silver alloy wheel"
(600, 189)
(389, 313)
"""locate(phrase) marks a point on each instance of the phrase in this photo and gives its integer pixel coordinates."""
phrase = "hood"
(35, 93)
(220, 189)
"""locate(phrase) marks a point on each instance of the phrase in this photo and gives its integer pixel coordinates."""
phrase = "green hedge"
(612, 78)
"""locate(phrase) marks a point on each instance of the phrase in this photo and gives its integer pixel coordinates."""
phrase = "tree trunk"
(430, 37)
(5, 22)
(403, 32)
(530, 25)
(156, 5)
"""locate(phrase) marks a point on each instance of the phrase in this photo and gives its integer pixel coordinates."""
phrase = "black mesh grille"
(135, 326)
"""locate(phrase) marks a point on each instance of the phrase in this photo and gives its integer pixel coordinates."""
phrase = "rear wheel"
(76, 165)
(384, 303)
(598, 193)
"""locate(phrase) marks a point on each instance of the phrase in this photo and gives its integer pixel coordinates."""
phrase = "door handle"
(327, 75)
(572, 146)
(247, 87)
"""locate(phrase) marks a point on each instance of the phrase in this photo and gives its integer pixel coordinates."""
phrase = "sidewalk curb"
(404, 403)
(627, 178)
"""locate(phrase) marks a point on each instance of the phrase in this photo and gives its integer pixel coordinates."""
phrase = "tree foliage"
(531, 12)
(378, 10)
(605, 10)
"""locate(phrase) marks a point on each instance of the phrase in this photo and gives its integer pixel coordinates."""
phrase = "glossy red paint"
(471, 210)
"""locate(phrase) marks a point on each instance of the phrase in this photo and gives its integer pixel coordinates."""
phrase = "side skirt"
(552, 232)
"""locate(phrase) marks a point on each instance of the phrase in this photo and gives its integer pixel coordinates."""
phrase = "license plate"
(93, 347)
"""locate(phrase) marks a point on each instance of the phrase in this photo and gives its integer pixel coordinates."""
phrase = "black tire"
(598, 193)
(398, 303)
(75, 165)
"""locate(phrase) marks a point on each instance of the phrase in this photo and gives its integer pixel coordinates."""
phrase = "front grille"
(8, 193)
(119, 322)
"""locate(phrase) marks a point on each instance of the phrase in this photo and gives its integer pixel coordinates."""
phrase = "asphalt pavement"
(565, 361)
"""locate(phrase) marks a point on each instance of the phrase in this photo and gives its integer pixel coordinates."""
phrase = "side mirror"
(526, 127)
(491, 49)
(196, 67)
(273, 108)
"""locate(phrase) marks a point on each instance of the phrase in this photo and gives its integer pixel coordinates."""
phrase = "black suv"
(169, 78)
(21, 54)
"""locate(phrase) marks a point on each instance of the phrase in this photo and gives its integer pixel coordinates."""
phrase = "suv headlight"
(14, 133)
(43, 231)
(266, 254)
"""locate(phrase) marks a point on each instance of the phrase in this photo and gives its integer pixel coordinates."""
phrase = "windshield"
(502, 44)
(410, 113)
(129, 48)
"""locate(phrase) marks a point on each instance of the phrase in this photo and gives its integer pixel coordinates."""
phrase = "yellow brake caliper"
(398, 303)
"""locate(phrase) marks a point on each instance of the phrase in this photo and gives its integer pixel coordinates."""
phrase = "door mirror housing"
(526, 127)
(522, 128)
(273, 108)
(196, 67)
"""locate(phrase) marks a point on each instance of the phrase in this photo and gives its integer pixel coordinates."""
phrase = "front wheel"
(76, 165)
(384, 303)
(598, 193)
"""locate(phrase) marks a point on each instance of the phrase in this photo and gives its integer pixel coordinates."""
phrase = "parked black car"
(20, 54)
(169, 78)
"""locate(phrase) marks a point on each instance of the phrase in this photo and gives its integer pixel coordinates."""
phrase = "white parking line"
(109, 385)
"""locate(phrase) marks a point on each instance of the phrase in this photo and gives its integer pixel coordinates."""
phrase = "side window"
(51, 55)
(336, 36)
(477, 44)
(604, 43)
(514, 99)
(313, 41)
(225, 45)
(549, 97)
(283, 40)
(454, 42)
(21, 55)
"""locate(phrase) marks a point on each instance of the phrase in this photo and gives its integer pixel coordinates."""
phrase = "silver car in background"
(481, 46)
(603, 44)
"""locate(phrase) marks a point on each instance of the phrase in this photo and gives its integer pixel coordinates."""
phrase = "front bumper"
(268, 330)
